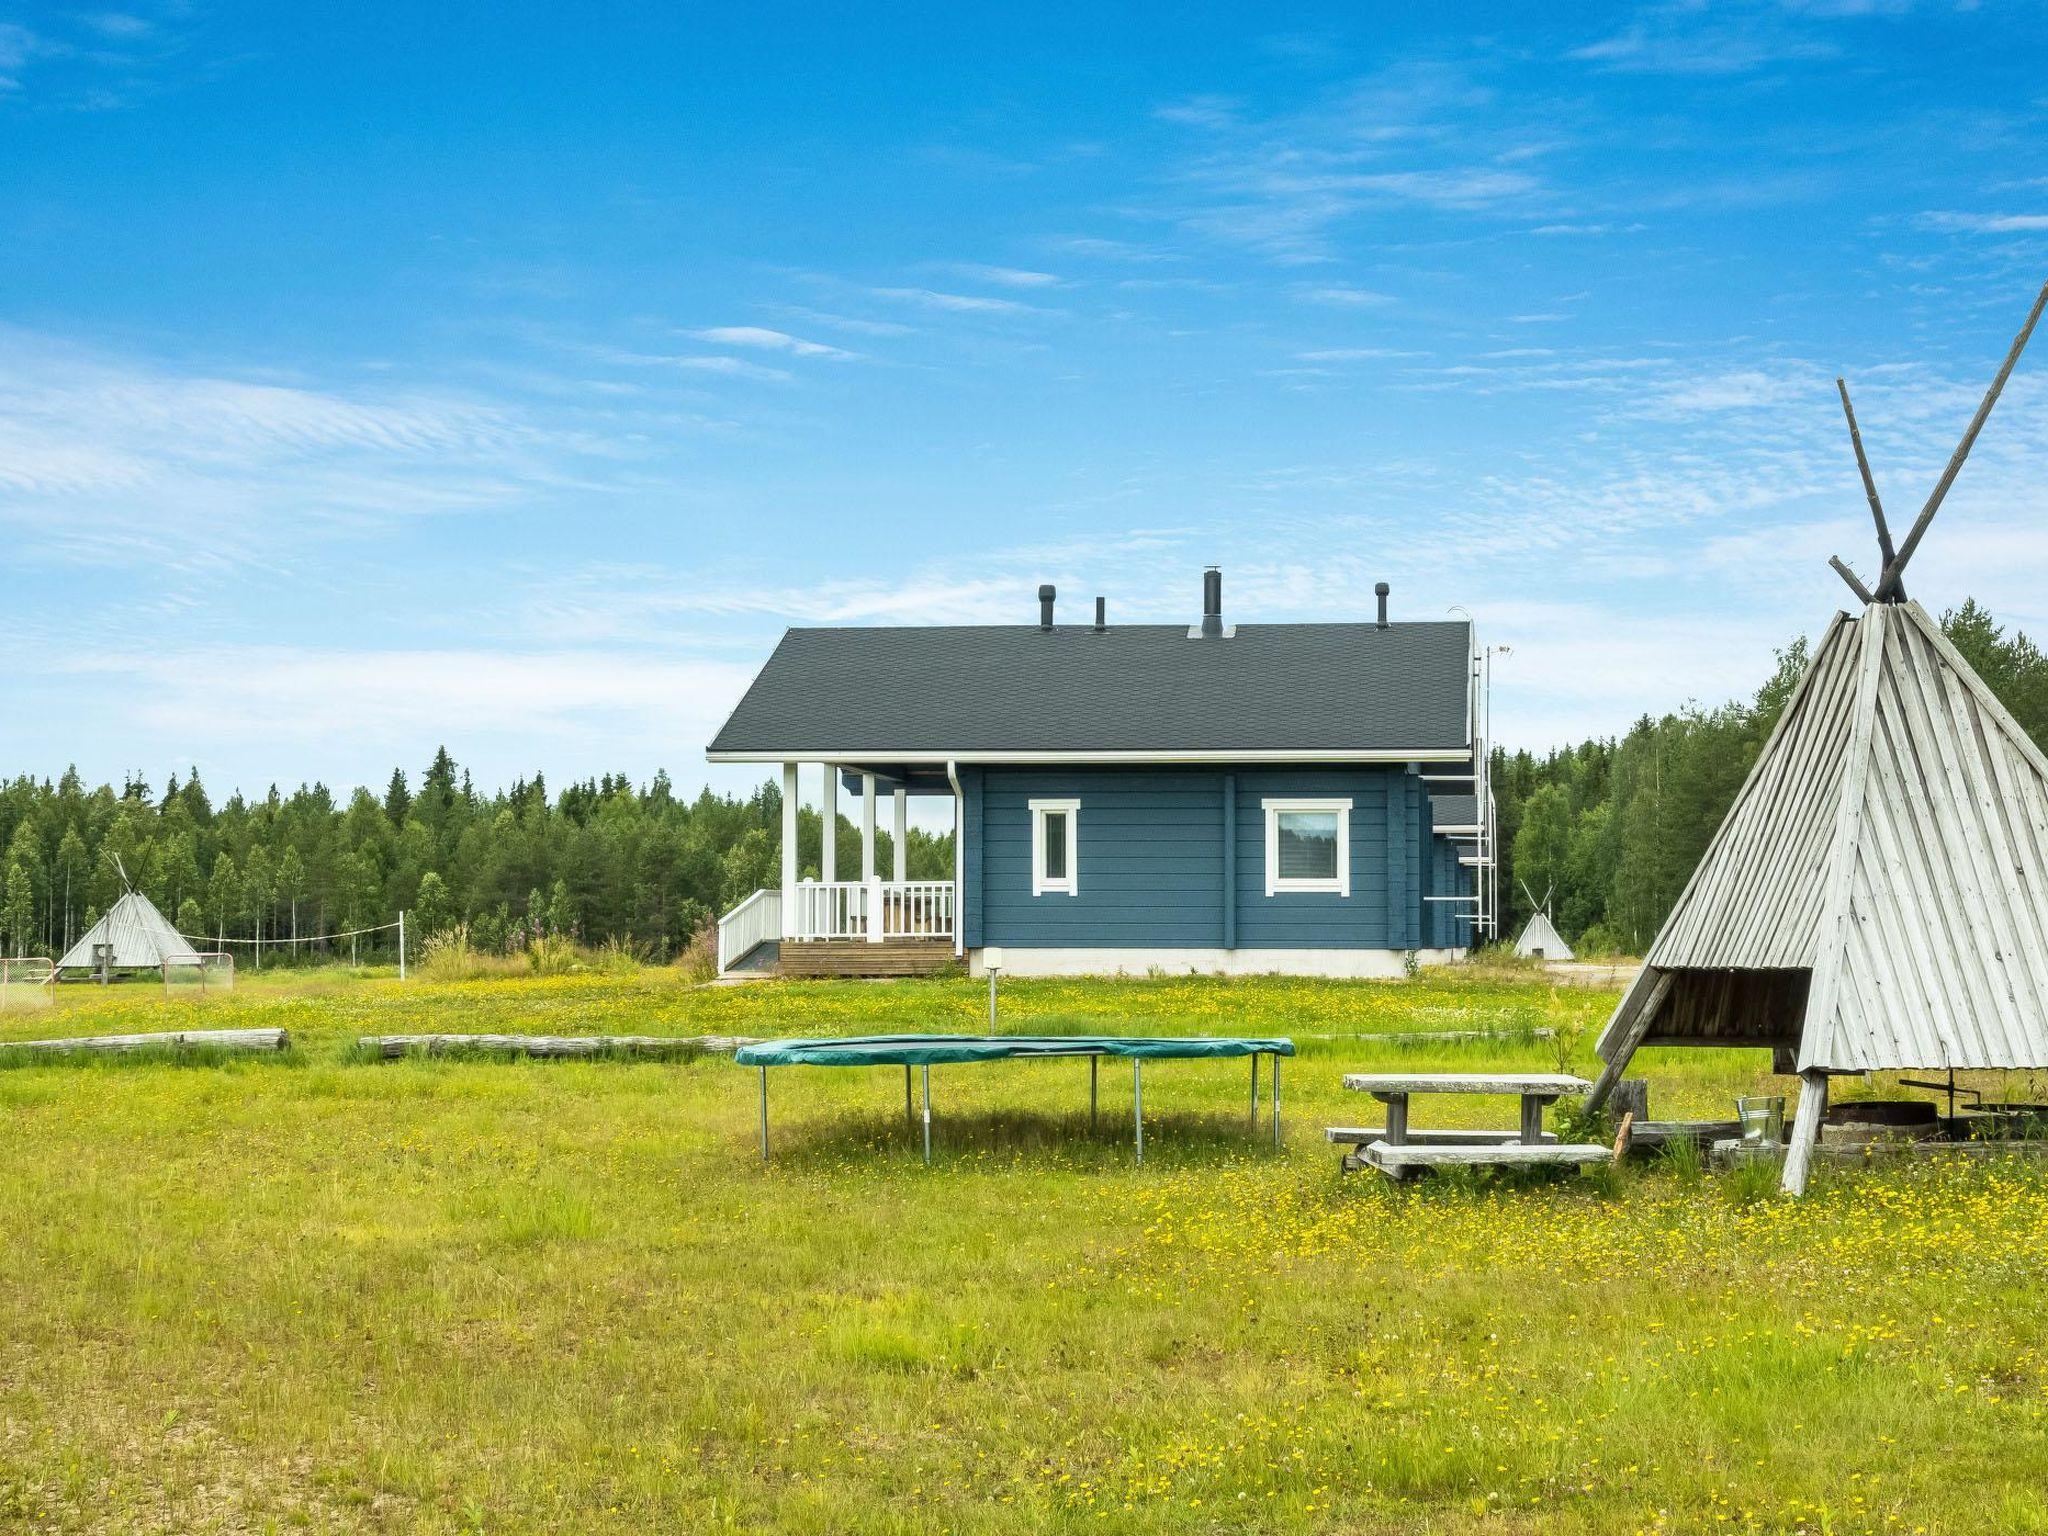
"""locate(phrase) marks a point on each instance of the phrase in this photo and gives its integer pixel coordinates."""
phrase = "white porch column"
(867, 826)
(828, 805)
(789, 913)
(871, 893)
(901, 833)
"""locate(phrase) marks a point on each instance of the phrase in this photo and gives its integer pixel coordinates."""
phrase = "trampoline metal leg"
(1255, 1090)
(1276, 1102)
(1138, 1105)
(927, 1071)
(1094, 1097)
(908, 1112)
(764, 1114)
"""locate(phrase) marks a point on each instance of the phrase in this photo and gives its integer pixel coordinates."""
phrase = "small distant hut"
(1878, 895)
(133, 937)
(1540, 940)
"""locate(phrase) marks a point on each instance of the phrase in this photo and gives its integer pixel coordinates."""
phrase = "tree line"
(599, 861)
(1613, 829)
(1610, 828)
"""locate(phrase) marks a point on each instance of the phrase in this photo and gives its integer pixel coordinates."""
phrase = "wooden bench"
(1398, 1160)
(1397, 1151)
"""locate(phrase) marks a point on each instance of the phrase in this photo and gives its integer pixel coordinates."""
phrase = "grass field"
(324, 1293)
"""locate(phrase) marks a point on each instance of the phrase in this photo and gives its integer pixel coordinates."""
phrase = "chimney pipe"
(1046, 594)
(1380, 591)
(1212, 603)
(1101, 614)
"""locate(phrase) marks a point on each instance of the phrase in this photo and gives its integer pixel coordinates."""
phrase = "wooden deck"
(857, 957)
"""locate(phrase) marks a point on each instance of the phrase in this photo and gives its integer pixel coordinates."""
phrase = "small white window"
(1055, 847)
(1308, 846)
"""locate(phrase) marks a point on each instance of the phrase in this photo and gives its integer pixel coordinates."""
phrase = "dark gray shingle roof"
(1300, 688)
(1454, 810)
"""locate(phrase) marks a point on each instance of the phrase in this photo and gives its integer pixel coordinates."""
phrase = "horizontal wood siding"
(1385, 900)
(1445, 921)
(1154, 873)
(1149, 862)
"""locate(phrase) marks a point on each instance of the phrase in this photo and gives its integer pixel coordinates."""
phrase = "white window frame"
(1070, 883)
(1277, 885)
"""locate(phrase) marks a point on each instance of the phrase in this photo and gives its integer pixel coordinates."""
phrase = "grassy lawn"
(323, 1293)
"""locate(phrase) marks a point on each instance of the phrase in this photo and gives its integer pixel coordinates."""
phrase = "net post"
(764, 1114)
(927, 1071)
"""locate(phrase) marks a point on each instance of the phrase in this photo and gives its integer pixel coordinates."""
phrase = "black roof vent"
(1046, 594)
(1212, 626)
(1380, 591)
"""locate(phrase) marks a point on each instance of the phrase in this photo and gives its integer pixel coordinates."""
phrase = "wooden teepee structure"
(1878, 894)
(1540, 939)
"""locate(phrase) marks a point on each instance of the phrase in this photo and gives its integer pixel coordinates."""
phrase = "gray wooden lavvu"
(1877, 897)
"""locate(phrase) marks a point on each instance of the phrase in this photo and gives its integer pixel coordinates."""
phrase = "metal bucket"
(1763, 1120)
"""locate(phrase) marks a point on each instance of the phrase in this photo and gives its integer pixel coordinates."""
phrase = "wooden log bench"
(1398, 1151)
(548, 1046)
(170, 1040)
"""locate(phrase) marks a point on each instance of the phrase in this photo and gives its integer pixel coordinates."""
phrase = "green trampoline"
(924, 1052)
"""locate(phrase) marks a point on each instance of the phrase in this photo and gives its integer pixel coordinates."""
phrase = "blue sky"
(381, 376)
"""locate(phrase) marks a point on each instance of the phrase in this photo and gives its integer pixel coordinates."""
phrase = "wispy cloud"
(1007, 277)
(122, 461)
(1986, 223)
(1199, 112)
(1342, 296)
(1353, 354)
(956, 303)
(1097, 248)
(766, 340)
(1419, 135)
(1684, 39)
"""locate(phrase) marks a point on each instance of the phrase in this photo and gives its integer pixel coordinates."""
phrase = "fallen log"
(183, 1039)
(551, 1045)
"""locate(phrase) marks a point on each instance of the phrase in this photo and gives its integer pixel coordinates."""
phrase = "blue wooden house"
(1213, 797)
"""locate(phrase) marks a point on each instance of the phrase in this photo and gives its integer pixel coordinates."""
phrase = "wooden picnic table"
(1393, 1150)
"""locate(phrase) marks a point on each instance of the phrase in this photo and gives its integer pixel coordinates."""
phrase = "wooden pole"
(1855, 582)
(401, 943)
(1813, 1104)
(1884, 532)
(1888, 584)
(1631, 1038)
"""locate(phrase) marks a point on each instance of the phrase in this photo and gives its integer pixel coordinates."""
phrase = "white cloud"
(1987, 223)
(1352, 354)
(122, 461)
(959, 303)
(1008, 277)
(767, 340)
(271, 709)
(1346, 297)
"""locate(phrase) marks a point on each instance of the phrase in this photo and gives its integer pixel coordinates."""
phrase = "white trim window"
(1308, 846)
(1055, 847)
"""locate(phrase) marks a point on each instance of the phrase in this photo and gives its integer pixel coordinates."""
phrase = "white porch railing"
(750, 924)
(869, 910)
(874, 910)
